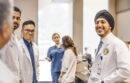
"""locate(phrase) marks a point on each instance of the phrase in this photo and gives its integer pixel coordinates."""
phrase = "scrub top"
(56, 55)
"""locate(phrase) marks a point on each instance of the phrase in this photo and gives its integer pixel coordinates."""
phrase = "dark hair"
(54, 35)
(106, 15)
(28, 22)
(68, 43)
(17, 9)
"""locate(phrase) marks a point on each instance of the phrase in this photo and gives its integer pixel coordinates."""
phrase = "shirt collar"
(107, 38)
(27, 43)
(59, 47)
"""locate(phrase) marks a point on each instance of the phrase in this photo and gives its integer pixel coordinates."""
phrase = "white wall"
(90, 38)
(53, 17)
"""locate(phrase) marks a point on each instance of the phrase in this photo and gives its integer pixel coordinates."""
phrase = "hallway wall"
(123, 19)
(29, 9)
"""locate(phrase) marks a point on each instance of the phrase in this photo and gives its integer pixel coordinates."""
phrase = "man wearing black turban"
(112, 59)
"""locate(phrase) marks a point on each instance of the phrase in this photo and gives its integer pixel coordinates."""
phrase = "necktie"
(33, 62)
(99, 46)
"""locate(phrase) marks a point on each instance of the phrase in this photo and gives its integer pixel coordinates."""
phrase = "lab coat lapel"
(34, 51)
(26, 51)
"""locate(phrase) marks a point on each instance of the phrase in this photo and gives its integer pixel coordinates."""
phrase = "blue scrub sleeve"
(49, 54)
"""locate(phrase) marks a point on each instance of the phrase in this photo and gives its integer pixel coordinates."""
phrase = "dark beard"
(15, 27)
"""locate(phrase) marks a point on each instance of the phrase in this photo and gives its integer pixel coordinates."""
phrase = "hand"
(59, 79)
(48, 59)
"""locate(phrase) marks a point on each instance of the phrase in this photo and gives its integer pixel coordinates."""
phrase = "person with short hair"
(31, 54)
(112, 60)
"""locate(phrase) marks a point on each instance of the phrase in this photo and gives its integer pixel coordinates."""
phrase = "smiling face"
(102, 27)
(28, 32)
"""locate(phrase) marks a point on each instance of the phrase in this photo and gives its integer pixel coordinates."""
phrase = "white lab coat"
(12, 56)
(115, 65)
(6, 76)
(27, 69)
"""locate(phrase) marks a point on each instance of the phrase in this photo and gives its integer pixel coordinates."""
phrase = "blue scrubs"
(56, 55)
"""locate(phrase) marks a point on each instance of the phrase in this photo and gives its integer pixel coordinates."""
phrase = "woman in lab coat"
(69, 61)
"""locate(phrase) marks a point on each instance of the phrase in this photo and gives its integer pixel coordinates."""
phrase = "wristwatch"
(102, 81)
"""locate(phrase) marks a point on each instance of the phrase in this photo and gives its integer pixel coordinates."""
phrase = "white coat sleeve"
(123, 65)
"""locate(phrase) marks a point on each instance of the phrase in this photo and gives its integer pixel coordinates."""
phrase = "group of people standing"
(112, 58)
(63, 59)
(19, 59)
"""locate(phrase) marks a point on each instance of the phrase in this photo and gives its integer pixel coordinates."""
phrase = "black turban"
(106, 15)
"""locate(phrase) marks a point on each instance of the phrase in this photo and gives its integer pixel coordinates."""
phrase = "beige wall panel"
(78, 24)
(123, 24)
(123, 19)
(122, 5)
(29, 10)
(112, 9)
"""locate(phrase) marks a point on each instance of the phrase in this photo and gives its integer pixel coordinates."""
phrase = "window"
(53, 17)
(90, 38)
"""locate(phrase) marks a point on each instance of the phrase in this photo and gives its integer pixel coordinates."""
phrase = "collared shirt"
(30, 49)
(56, 55)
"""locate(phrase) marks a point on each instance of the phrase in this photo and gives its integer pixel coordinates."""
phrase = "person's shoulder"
(21, 40)
(34, 44)
(69, 51)
(52, 47)
(117, 42)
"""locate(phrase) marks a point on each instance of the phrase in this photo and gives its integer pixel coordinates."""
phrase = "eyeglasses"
(32, 31)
